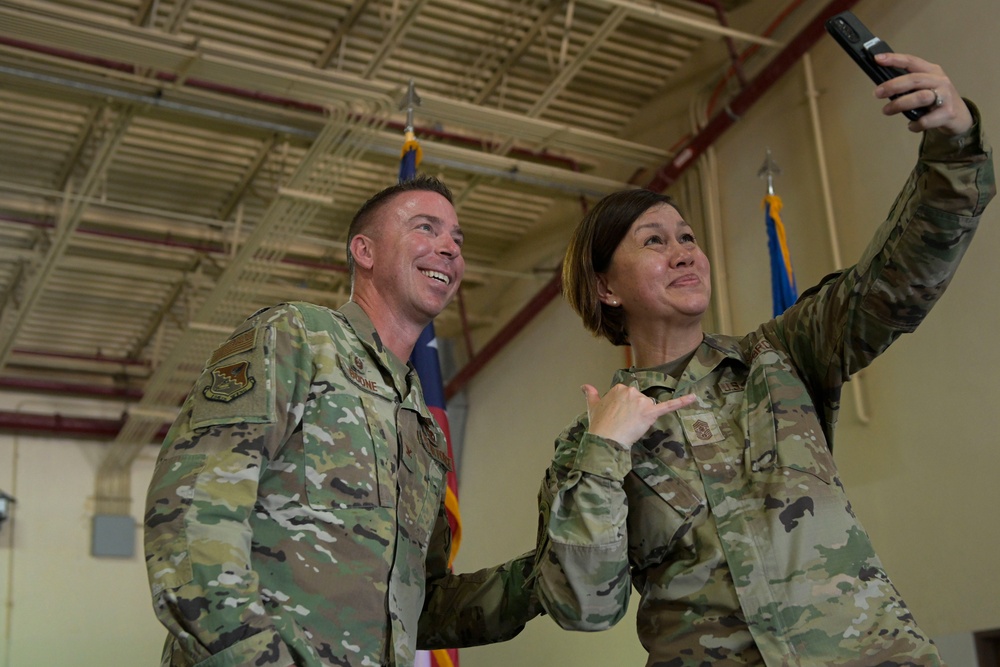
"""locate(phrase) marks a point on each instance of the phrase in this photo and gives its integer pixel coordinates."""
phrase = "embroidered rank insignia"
(239, 343)
(230, 382)
(702, 429)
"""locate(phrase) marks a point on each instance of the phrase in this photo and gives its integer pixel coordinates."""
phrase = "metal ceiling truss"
(316, 181)
(74, 203)
(174, 165)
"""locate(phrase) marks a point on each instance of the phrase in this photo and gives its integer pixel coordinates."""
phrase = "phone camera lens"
(846, 30)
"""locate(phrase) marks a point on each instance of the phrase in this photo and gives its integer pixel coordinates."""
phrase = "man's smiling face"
(417, 252)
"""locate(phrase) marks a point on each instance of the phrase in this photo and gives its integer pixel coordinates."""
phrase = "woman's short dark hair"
(369, 211)
(589, 253)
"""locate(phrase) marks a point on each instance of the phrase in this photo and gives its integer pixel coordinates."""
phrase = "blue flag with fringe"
(783, 290)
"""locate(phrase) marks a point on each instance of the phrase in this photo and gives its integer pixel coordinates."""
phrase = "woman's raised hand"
(924, 85)
(624, 414)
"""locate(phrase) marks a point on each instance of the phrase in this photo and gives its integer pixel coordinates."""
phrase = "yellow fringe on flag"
(442, 658)
(451, 506)
(411, 144)
(779, 228)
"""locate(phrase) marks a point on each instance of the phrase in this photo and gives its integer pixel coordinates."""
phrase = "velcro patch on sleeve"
(240, 388)
(239, 343)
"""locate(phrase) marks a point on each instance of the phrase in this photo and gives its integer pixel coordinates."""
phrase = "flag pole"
(769, 170)
(411, 154)
(410, 100)
(427, 365)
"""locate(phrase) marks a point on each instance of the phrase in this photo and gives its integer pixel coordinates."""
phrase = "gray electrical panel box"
(113, 535)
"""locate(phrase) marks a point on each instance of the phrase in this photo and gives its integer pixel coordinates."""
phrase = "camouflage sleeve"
(471, 609)
(581, 569)
(839, 327)
(204, 487)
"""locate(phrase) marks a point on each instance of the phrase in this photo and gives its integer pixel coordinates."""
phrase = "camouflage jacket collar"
(715, 349)
(402, 376)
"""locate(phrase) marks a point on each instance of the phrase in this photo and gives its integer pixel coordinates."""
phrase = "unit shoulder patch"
(230, 382)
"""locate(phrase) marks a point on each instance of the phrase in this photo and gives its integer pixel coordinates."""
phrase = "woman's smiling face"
(658, 273)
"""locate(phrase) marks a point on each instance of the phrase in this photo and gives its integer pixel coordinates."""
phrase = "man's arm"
(198, 546)
(204, 487)
(483, 607)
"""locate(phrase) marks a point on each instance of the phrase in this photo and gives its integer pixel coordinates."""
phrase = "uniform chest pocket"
(783, 432)
(422, 476)
(420, 501)
(348, 463)
(662, 509)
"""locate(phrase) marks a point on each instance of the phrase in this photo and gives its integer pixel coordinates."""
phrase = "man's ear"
(362, 248)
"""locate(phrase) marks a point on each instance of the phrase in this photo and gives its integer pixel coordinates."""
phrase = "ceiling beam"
(184, 62)
(398, 26)
(74, 204)
(515, 54)
(343, 27)
(567, 73)
(653, 13)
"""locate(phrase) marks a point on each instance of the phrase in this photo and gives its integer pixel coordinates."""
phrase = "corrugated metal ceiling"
(169, 166)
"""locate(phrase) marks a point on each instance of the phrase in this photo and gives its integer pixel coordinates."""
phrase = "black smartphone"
(862, 45)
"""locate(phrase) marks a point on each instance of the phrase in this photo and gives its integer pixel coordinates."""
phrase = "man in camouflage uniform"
(728, 515)
(296, 514)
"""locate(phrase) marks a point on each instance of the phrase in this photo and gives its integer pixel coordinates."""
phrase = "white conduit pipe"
(708, 168)
(860, 405)
(708, 173)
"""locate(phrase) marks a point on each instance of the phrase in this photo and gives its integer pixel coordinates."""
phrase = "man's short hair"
(370, 210)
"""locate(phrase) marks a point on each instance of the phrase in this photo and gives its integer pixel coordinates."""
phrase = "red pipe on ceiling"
(98, 358)
(69, 388)
(28, 423)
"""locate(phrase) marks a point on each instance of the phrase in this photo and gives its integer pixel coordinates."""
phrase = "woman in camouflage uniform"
(728, 515)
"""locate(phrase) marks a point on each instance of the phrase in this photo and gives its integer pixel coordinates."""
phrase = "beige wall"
(59, 605)
(921, 474)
